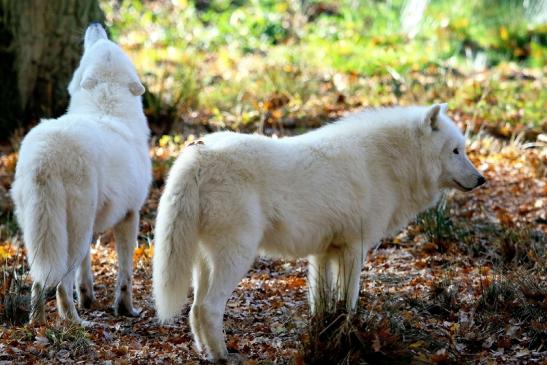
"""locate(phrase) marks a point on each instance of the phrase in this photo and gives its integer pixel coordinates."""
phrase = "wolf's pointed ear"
(88, 83)
(73, 85)
(432, 117)
(136, 88)
(444, 108)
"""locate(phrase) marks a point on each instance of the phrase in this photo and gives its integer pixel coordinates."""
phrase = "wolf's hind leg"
(86, 295)
(201, 277)
(65, 302)
(78, 238)
(37, 311)
(230, 257)
(125, 234)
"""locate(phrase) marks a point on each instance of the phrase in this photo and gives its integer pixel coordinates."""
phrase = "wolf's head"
(446, 144)
(104, 63)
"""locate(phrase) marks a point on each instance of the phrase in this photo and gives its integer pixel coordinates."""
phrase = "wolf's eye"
(456, 152)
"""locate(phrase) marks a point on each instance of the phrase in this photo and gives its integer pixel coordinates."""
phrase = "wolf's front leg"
(125, 233)
(320, 283)
(347, 270)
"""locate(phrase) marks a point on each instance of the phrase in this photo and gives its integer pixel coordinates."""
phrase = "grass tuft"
(361, 337)
(444, 294)
(14, 291)
(518, 299)
(439, 227)
(506, 246)
(73, 336)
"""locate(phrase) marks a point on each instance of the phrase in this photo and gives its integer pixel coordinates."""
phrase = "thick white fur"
(330, 195)
(83, 173)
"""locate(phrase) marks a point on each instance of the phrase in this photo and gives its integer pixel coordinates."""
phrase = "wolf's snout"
(95, 27)
(480, 181)
(94, 32)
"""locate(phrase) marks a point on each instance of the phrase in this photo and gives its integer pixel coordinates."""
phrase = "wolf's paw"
(37, 319)
(234, 358)
(121, 309)
(86, 300)
(231, 358)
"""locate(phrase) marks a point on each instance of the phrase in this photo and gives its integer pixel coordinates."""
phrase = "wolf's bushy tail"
(41, 211)
(176, 236)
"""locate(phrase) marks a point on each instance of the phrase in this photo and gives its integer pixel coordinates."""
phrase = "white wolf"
(83, 173)
(329, 194)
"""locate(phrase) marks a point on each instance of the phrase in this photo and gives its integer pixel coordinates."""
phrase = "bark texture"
(40, 47)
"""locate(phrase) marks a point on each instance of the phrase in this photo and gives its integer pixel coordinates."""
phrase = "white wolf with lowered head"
(81, 174)
(329, 195)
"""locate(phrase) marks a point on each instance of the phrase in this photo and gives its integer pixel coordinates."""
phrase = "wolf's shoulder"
(70, 129)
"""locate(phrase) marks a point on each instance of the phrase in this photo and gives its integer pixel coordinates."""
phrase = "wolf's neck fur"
(410, 167)
(105, 101)
(394, 134)
(392, 147)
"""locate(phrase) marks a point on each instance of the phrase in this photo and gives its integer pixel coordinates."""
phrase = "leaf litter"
(475, 293)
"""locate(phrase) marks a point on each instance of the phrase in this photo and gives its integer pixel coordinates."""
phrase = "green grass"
(221, 63)
(9, 227)
(73, 336)
(439, 227)
(14, 289)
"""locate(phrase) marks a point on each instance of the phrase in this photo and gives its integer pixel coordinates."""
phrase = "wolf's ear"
(88, 83)
(444, 108)
(136, 88)
(73, 85)
(431, 118)
(93, 33)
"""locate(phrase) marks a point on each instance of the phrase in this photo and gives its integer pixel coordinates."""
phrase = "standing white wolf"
(83, 173)
(330, 195)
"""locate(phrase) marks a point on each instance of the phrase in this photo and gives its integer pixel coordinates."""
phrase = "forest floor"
(465, 283)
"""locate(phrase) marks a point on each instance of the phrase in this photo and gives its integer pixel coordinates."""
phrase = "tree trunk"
(41, 44)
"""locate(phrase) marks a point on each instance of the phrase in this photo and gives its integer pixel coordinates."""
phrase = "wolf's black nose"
(481, 180)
